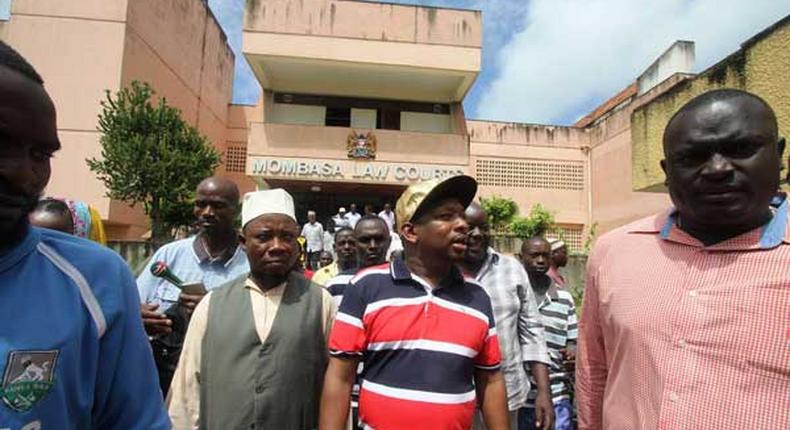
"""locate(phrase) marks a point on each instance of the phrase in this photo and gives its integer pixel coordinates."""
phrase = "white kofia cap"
(257, 203)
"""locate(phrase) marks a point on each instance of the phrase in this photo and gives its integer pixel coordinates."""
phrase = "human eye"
(743, 149)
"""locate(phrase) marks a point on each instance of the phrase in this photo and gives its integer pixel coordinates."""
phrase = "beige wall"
(614, 201)
(365, 20)
(319, 142)
(86, 47)
(177, 47)
(77, 47)
(538, 152)
(239, 117)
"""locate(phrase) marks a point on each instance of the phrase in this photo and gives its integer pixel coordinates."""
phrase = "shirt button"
(673, 397)
(259, 388)
(693, 293)
(682, 343)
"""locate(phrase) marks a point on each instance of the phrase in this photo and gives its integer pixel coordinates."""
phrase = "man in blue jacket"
(73, 353)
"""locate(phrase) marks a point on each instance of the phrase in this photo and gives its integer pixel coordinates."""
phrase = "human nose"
(717, 167)
(461, 225)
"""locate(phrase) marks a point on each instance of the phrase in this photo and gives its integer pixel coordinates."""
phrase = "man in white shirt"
(353, 216)
(341, 219)
(313, 232)
(388, 216)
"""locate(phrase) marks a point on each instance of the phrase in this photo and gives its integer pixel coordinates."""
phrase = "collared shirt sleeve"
(489, 357)
(349, 335)
(531, 334)
(328, 312)
(184, 398)
(127, 390)
(146, 282)
(591, 366)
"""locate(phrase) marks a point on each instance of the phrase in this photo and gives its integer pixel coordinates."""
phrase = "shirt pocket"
(168, 293)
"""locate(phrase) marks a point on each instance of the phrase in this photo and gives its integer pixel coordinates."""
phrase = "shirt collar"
(401, 272)
(204, 258)
(276, 291)
(22, 249)
(775, 232)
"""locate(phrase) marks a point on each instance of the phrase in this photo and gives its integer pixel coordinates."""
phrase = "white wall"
(425, 122)
(283, 113)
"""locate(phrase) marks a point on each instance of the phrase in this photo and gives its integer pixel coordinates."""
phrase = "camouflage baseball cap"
(422, 196)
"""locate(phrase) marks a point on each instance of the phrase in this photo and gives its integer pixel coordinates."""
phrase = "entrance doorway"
(325, 198)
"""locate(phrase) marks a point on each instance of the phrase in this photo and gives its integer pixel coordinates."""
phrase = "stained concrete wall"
(760, 66)
(521, 142)
(178, 48)
(365, 20)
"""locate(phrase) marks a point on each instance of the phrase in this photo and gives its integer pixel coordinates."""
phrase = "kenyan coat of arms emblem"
(28, 377)
(361, 145)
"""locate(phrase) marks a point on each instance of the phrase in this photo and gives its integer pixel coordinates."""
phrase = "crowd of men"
(685, 321)
(319, 238)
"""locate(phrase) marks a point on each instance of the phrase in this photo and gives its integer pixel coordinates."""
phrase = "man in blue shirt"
(73, 352)
(213, 258)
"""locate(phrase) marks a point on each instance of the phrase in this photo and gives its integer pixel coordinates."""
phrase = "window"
(338, 117)
(5, 10)
(388, 119)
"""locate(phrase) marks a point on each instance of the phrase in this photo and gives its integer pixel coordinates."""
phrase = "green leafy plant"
(539, 221)
(500, 210)
(151, 156)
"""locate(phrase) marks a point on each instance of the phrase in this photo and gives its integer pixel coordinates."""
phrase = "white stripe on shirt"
(418, 396)
(426, 345)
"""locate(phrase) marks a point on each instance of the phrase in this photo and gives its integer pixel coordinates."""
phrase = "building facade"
(360, 99)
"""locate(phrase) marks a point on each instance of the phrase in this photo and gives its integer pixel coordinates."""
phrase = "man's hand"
(189, 301)
(544, 410)
(569, 358)
(154, 322)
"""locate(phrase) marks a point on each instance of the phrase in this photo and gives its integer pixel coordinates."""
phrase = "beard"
(18, 204)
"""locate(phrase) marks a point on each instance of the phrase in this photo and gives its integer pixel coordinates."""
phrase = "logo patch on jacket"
(28, 377)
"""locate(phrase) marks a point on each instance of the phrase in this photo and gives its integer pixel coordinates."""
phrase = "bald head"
(720, 102)
(216, 205)
(220, 185)
(722, 163)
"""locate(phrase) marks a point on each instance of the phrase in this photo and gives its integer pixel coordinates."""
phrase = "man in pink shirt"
(686, 314)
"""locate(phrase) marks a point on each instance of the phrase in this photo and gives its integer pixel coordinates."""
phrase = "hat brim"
(460, 187)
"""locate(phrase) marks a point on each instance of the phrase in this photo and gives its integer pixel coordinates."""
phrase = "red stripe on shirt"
(384, 413)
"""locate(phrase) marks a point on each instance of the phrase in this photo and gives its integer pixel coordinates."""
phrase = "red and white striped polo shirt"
(421, 346)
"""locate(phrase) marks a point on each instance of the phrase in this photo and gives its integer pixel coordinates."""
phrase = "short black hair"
(535, 238)
(16, 62)
(53, 206)
(721, 94)
(342, 229)
(375, 218)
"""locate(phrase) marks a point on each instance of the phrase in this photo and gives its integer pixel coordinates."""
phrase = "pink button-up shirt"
(677, 335)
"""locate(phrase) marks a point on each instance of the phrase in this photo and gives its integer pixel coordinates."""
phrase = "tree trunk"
(159, 235)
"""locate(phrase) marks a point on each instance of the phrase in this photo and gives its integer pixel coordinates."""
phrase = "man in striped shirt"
(520, 332)
(427, 335)
(685, 318)
(372, 236)
(559, 322)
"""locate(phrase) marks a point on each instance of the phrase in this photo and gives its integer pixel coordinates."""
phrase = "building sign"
(361, 145)
(349, 171)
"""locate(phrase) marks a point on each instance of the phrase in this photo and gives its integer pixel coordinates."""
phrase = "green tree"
(151, 156)
(539, 221)
(500, 210)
